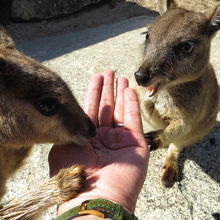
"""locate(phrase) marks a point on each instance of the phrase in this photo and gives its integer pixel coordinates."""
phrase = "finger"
(132, 116)
(92, 98)
(106, 107)
(122, 84)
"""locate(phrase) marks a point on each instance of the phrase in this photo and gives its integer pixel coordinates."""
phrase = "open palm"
(116, 159)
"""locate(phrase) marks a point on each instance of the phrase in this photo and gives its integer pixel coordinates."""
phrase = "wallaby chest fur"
(176, 84)
(187, 101)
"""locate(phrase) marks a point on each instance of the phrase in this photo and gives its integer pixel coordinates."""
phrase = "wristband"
(99, 207)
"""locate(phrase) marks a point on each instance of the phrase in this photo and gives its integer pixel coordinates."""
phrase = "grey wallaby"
(176, 84)
(36, 106)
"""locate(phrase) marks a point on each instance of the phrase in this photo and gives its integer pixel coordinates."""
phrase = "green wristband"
(109, 209)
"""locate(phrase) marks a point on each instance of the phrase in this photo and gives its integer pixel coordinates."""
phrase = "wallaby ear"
(164, 5)
(214, 22)
(5, 40)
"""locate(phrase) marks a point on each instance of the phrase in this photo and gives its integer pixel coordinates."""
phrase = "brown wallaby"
(177, 86)
(36, 106)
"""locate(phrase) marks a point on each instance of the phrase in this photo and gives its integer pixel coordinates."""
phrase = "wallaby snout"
(90, 129)
(148, 79)
(141, 78)
(147, 75)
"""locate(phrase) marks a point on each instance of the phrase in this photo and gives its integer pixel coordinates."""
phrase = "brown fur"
(36, 106)
(184, 106)
(62, 187)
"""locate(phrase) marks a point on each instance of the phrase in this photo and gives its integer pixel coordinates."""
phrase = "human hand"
(116, 159)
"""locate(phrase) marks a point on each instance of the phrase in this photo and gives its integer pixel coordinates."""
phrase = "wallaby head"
(177, 47)
(36, 105)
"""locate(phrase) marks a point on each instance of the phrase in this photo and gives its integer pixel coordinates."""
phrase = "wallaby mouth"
(152, 90)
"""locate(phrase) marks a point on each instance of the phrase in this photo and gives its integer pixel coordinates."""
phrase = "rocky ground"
(81, 45)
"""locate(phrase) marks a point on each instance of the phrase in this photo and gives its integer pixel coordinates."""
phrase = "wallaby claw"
(153, 140)
(169, 177)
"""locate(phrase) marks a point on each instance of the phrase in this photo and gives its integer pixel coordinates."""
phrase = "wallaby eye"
(186, 47)
(146, 35)
(48, 106)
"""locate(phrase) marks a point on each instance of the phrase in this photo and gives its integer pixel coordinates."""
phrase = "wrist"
(122, 200)
(90, 217)
(99, 207)
(129, 206)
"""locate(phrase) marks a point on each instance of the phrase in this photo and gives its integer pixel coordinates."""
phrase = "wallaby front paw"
(70, 181)
(153, 140)
(169, 177)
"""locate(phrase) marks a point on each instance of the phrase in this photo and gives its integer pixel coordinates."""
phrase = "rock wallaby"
(176, 84)
(36, 106)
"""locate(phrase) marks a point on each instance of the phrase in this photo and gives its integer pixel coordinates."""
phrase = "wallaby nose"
(90, 129)
(141, 78)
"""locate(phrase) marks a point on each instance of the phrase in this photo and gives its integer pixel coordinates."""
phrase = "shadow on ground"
(48, 40)
(206, 154)
(216, 216)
